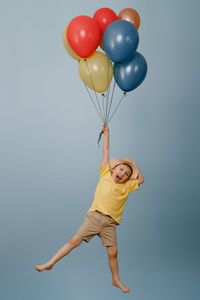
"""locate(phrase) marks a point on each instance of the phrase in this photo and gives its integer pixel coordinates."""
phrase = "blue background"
(49, 159)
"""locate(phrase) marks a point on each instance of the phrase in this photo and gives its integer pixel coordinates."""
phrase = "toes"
(37, 268)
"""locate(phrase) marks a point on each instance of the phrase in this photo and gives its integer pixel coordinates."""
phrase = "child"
(118, 178)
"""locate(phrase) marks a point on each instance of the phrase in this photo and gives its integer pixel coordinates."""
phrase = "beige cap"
(117, 161)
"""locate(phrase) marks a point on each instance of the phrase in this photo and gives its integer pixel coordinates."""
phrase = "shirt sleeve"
(104, 170)
(134, 185)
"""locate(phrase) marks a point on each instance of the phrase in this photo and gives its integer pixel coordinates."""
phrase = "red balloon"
(83, 35)
(105, 16)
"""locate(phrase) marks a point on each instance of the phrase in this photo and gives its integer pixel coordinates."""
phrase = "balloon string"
(93, 102)
(107, 101)
(100, 135)
(108, 92)
(94, 88)
(111, 100)
(103, 100)
(124, 94)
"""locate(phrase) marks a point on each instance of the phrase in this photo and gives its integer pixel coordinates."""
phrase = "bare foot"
(43, 267)
(121, 286)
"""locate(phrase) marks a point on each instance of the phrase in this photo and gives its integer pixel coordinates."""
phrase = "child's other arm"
(140, 177)
(105, 159)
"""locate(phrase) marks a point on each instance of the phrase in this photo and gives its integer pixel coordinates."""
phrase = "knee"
(75, 241)
(112, 252)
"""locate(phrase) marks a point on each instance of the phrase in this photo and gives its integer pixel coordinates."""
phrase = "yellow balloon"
(96, 71)
(67, 46)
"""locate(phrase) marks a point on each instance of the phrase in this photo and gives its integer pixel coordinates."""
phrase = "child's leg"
(64, 250)
(113, 263)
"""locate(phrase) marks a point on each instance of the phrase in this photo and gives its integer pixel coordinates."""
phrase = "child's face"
(121, 173)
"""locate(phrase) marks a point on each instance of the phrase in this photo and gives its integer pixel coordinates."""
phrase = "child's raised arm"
(105, 159)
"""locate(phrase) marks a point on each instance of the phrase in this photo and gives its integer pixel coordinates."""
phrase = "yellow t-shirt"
(110, 197)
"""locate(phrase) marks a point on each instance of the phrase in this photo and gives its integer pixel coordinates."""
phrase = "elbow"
(141, 180)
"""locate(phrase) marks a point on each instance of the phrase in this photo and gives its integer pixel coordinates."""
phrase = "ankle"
(51, 262)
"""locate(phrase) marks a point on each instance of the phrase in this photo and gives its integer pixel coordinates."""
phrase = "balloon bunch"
(118, 37)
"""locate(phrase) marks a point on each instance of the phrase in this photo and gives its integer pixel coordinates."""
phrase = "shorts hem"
(109, 245)
(84, 239)
(87, 241)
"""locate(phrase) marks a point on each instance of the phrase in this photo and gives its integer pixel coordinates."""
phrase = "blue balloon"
(120, 39)
(130, 73)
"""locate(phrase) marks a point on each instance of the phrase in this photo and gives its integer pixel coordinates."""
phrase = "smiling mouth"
(118, 177)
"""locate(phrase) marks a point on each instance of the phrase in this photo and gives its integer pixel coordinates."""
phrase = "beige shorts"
(96, 223)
